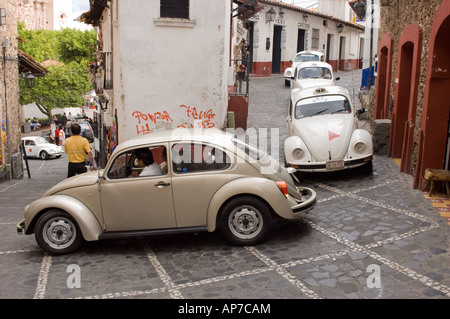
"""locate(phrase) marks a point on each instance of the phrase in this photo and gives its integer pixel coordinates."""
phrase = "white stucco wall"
(166, 76)
(293, 21)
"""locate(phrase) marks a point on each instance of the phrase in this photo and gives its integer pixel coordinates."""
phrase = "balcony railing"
(108, 63)
(240, 77)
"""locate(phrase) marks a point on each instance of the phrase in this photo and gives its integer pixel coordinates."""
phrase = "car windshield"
(249, 150)
(41, 140)
(85, 126)
(314, 73)
(326, 104)
(306, 57)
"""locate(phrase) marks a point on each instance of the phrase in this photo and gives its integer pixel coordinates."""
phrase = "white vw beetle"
(313, 74)
(322, 132)
(37, 146)
(300, 57)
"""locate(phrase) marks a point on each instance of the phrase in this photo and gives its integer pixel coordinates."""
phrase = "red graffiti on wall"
(144, 118)
(204, 119)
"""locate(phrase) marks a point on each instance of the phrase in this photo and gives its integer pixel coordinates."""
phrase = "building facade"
(9, 88)
(159, 68)
(44, 14)
(413, 83)
(275, 38)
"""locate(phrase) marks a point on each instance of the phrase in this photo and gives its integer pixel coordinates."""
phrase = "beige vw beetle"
(200, 181)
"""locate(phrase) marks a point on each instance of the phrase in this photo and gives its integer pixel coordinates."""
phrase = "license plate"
(334, 165)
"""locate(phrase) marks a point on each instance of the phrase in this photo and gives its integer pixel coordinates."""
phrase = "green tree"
(75, 45)
(66, 84)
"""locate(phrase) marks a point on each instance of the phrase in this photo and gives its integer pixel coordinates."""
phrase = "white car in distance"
(300, 57)
(313, 74)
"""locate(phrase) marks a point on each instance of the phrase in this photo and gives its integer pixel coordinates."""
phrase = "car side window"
(119, 167)
(196, 157)
(140, 162)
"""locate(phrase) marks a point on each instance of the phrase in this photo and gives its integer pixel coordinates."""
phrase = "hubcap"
(59, 233)
(245, 222)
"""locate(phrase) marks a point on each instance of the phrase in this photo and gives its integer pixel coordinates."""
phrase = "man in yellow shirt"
(76, 148)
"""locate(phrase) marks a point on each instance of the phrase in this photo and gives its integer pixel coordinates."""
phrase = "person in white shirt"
(145, 158)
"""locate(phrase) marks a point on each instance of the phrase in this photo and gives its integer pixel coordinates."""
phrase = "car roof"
(32, 137)
(309, 64)
(310, 52)
(180, 134)
(298, 94)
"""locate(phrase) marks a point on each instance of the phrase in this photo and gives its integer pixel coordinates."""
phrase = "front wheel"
(44, 155)
(245, 221)
(58, 233)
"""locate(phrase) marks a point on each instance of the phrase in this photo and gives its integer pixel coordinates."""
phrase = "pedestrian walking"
(57, 135)
(76, 148)
(64, 121)
(62, 135)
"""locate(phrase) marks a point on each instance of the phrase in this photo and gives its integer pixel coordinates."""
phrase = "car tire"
(287, 83)
(245, 221)
(44, 155)
(58, 233)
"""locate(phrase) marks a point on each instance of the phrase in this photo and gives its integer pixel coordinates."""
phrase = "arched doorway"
(405, 101)
(435, 117)
(382, 95)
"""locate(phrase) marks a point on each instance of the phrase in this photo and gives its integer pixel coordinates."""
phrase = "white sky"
(309, 4)
(79, 7)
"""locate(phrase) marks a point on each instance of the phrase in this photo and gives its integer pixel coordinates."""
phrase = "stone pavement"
(369, 237)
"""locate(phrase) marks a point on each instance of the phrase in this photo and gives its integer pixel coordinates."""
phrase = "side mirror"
(338, 78)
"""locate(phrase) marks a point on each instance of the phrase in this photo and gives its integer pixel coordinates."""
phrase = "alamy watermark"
(74, 279)
(374, 279)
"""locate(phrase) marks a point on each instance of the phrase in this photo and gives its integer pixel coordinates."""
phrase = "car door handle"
(161, 184)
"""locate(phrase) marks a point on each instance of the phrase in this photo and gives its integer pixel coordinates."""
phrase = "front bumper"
(322, 167)
(20, 227)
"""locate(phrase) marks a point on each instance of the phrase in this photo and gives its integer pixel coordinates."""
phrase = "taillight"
(283, 188)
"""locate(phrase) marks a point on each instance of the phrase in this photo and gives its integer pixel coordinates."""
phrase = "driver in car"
(145, 159)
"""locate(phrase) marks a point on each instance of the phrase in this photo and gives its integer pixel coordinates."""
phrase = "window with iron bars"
(2, 16)
(175, 9)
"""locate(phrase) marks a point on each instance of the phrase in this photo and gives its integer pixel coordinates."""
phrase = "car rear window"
(248, 149)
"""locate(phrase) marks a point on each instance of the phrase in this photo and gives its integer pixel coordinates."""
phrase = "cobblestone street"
(369, 237)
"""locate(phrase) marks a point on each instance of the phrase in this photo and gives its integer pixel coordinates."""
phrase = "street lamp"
(270, 15)
(30, 79)
(340, 27)
(360, 9)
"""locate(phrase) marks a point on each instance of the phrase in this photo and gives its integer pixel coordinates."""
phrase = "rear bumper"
(304, 204)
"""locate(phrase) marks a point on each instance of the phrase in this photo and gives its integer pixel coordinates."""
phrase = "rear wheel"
(245, 221)
(58, 233)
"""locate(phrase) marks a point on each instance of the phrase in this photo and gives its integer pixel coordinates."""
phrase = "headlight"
(298, 154)
(360, 147)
